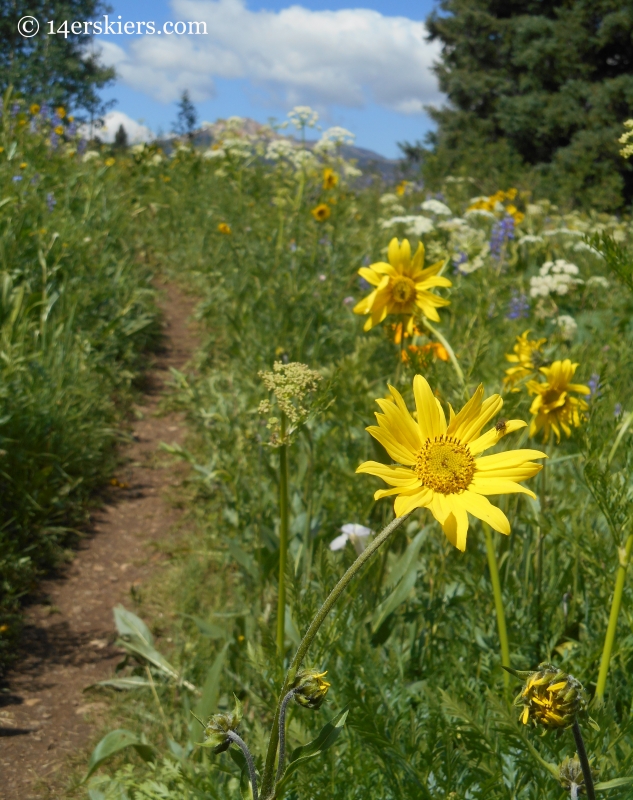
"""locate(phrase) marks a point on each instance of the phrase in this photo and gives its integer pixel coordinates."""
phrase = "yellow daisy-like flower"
(402, 285)
(321, 212)
(527, 355)
(59, 130)
(61, 112)
(34, 109)
(110, 162)
(553, 407)
(224, 227)
(440, 469)
(330, 178)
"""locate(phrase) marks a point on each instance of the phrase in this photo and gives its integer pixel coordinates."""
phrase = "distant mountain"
(390, 170)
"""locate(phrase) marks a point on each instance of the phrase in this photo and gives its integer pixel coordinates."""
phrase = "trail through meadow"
(68, 638)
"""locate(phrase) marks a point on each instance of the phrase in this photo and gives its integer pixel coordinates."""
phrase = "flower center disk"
(402, 289)
(445, 465)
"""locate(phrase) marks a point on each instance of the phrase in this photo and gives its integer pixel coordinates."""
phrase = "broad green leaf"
(243, 558)
(128, 624)
(125, 683)
(606, 785)
(114, 742)
(208, 702)
(139, 648)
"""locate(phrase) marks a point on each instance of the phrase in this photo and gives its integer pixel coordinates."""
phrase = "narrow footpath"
(68, 637)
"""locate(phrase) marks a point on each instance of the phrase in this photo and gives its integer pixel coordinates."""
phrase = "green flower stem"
(584, 761)
(318, 620)
(237, 739)
(283, 538)
(282, 734)
(624, 558)
(449, 349)
(496, 589)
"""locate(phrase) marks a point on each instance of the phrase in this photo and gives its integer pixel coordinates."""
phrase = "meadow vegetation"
(270, 237)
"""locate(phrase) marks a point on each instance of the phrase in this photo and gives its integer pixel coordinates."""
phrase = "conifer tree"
(538, 85)
(187, 116)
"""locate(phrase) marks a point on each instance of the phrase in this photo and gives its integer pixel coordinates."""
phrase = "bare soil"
(68, 638)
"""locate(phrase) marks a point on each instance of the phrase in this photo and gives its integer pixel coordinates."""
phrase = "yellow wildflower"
(527, 354)
(550, 697)
(34, 109)
(23, 165)
(440, 470)
(71, 119)
(402, 286)
(61, 112)
(401, 188)
(553, 408)
(110, 162)
(224, 227)
(59, 130)
(321, 212)
(330, 178)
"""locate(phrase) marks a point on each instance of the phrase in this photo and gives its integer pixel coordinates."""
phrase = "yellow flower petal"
(478, 506)
(428, 411)
(491, 437)
(489, 486)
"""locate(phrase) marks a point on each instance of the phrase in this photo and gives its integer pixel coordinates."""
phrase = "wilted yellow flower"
(550, 697)
(440, 470)
(321, 212)
(310, 688)
(330, 178)
(224, 227)
(59, 130)
(402, 285)
(61, 112)
(34, 109)
(527, 354)
(110, 162)
(553, 407)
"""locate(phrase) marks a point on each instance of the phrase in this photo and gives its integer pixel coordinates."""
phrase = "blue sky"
(364, 66)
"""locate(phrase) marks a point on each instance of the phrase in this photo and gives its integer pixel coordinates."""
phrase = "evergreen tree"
(187, 116)
(120, 138)
(538, 85)
(60, 68)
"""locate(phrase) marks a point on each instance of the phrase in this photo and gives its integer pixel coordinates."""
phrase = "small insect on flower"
(501, 425)
(330, 178)
(321, 212)
(225, 228)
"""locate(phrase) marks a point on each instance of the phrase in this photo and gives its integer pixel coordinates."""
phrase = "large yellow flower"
(553, 407)
(440, 469)
(402, 285)
(527, 355)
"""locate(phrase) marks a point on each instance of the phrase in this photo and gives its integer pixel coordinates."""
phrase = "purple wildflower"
(50, 201)
(594, 385)
(17, 178)
(617, 410)
(81, 147)
(72, 129)
(349, 301)
(365, 286)
(15, 109)
(502, 232)
(519, 306)
(54, 140)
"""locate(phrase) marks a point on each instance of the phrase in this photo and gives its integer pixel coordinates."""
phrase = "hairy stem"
(584, 761)
(282, 734)
(624, 558)
(496, 589)
(319, 618)
(237, 739)
(283, 539)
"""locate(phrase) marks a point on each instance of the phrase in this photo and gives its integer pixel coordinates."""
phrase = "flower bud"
(570, 774)
(550, 697)
(217, 728)
(310, 688)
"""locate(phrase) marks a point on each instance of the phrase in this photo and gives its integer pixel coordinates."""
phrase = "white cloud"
(136, 132)
(347, 57)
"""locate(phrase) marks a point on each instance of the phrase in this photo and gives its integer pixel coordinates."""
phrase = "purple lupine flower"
(44, 111)
(72, 129)
(594, 385)
(458, 259)
(81, 147)
(50, 201)
(502, 232)
(54, 140)
(519, 306)
(365, 286)
(15, 109)
(617, 410)
(17, 178)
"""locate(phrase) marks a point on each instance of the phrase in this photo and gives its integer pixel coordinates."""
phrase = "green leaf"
(606, 785)
(128, 624)
(208, 701)
(243, 559)
(146, 652)
(209, 629)
(396, 598)
(403, 565)
(114, 742)
(125, 683)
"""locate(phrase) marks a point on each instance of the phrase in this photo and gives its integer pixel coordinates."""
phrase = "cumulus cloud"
(136, 132)
(347, 57)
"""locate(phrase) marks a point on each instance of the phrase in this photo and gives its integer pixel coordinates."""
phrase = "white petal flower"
(436, 207)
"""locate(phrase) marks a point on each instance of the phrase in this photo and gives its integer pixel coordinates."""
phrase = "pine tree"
(58, 69)
(120, 138)
(187, 116)
(535, 85)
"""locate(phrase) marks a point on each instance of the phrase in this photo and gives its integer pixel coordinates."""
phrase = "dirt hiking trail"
(67, 642)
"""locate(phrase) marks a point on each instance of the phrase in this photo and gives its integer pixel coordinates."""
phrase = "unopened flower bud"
(570, 774)
(310, 688)
(217, 728)
(550, 697)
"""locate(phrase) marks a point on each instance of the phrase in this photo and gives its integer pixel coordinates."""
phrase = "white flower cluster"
(303, 117)
(278, 149)
(436, 207)
(598, 280)
(415, 226)
(555, 277)
(303, 160)
(567, 326)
